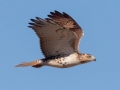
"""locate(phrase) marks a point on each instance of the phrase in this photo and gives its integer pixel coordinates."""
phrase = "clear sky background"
(100, 20)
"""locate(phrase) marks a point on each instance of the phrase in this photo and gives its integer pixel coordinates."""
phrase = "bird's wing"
(66, 21)
(54, 39)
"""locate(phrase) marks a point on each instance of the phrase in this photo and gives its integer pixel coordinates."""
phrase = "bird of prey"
(59, 36)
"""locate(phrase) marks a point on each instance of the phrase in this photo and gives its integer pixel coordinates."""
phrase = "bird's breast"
(64, 62)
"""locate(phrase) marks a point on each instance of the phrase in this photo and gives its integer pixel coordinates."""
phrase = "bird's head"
(84, 58)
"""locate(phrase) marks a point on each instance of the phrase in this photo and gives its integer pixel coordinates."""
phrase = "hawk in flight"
(59, 36)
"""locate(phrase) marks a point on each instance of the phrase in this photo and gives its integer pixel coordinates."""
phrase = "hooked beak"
(94, 59)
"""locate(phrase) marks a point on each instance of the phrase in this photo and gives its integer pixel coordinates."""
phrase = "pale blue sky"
(100, 20)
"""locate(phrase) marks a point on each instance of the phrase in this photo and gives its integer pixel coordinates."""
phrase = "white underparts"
(63, 62)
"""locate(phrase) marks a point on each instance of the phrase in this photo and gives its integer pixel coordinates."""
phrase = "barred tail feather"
(36, 64)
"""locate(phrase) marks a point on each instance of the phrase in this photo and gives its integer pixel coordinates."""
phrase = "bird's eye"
(89, 56)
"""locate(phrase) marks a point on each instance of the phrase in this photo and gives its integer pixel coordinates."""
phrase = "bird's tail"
(36, 64)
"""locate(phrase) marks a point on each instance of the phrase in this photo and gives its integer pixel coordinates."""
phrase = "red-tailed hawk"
(59, 36)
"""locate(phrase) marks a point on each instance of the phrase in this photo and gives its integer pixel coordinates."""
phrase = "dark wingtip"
(30, 26)
(31, 23)
(37, 18)
(56, 11)
(65, 13)
(32, 19)
(49, 16)
(52, 13)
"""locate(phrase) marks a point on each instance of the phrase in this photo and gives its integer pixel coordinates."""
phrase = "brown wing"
(67, 22)
(54, 39)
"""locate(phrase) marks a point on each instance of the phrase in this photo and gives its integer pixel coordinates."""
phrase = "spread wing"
(68, 22)
(59, 34)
